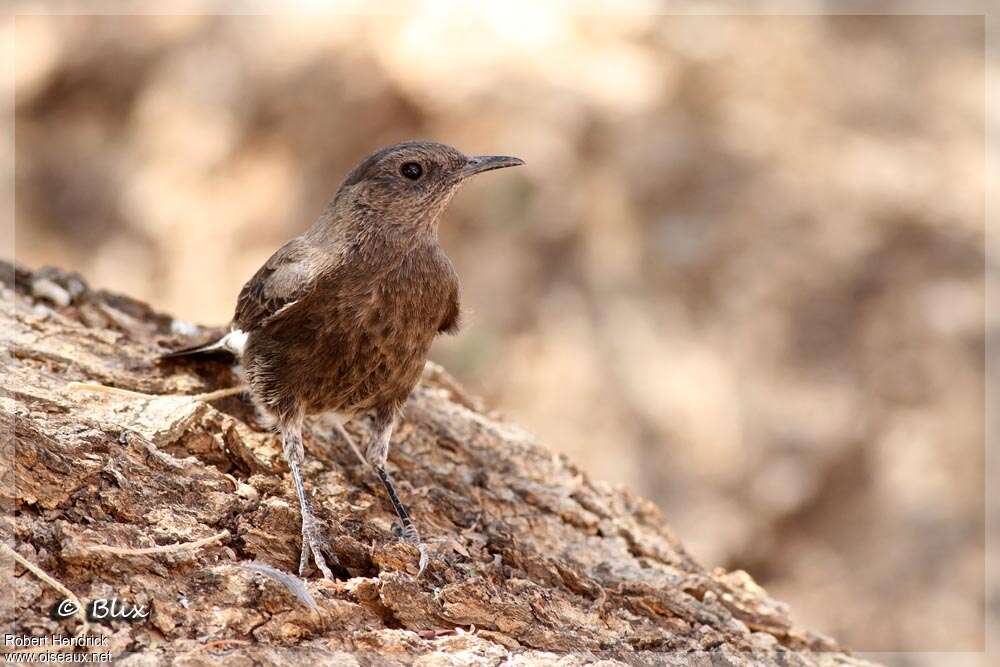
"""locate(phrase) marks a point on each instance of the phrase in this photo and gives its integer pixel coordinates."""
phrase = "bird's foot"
(408, 533)
(313, 544)
(404, 530)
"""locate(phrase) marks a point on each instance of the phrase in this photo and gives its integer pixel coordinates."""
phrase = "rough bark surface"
(532, 561)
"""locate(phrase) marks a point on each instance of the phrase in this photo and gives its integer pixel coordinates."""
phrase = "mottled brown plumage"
(355, 334)
(341, 318)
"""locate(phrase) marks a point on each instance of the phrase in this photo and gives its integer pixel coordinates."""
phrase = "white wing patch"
(278, 312)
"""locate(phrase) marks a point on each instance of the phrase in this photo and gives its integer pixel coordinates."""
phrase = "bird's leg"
(377, 453)
(405, 529)
(312, 539)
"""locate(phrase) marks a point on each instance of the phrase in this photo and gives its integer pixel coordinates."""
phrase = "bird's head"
(409, 184)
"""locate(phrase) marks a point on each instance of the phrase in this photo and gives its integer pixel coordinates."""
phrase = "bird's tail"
(216, 346)
(232, 343)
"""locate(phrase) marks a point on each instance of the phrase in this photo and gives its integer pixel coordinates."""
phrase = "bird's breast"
(356, 345)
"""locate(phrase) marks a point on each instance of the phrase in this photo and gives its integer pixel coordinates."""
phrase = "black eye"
(411, 170)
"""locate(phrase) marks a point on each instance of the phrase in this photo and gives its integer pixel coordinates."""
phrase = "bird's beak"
(481, 163)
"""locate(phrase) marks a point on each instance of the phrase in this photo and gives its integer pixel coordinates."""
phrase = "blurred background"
(741, 273)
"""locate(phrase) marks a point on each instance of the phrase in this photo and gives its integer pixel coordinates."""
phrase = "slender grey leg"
(312, 540)
(378, 452)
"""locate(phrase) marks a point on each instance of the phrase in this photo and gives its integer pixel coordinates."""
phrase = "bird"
(340, 319)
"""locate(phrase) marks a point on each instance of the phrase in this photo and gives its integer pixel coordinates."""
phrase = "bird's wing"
(284, 279)
(453, 310)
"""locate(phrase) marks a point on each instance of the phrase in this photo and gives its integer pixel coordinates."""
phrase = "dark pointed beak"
(481, 163)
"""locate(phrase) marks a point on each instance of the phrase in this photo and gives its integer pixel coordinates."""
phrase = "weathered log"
(532, 561)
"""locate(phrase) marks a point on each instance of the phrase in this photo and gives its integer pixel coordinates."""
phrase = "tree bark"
(531, 560)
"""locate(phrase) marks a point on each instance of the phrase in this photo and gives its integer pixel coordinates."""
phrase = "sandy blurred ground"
(741, 273)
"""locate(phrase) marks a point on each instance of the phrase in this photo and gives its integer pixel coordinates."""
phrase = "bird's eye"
(411, 170)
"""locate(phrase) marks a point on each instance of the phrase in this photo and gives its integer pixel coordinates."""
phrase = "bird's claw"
(313, 545)
(409, 535)
(423, 558)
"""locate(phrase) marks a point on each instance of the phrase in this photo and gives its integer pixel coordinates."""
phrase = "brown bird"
(340, 318)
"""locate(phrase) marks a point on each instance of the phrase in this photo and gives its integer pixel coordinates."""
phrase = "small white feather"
(234, 341)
